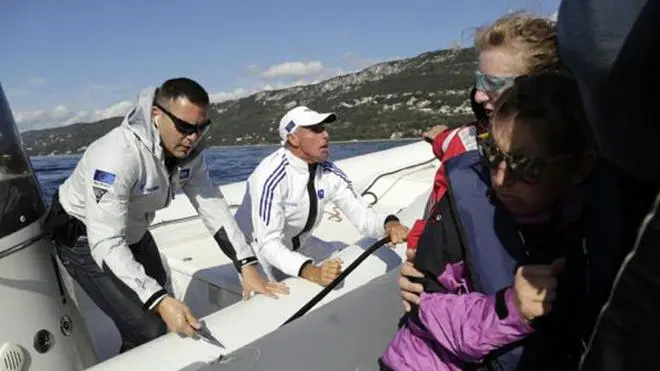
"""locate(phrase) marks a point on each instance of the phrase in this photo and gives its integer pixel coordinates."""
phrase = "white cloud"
(280, 76)
(61, 116)
(229, 95)
(553, 16)
(293, 69)
(260, 86)
(119, 109)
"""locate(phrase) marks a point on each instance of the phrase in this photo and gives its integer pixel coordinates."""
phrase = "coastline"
(331, 142)
(262, 145)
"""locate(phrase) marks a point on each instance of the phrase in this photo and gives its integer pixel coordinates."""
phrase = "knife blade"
(206, 335)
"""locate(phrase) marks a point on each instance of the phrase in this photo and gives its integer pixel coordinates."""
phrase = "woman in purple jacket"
(513, 45)
(505, 256)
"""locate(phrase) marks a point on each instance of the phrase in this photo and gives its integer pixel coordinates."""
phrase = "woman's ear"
(584, 166)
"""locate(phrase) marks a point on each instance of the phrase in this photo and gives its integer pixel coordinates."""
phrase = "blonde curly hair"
(535, 37)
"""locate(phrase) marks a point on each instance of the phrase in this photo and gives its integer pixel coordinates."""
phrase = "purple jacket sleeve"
(468, 325)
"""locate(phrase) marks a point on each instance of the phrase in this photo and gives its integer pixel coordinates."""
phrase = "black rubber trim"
(500, 304)
(58, 276)
(326, 290)
(247, 261)
(222, 239)
(153, 298)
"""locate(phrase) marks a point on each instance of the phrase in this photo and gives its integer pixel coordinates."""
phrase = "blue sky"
(78, 60)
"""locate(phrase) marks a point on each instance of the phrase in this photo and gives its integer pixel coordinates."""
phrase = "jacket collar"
(297, 163)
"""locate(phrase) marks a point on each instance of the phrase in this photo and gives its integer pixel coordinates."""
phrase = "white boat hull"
(205, 279)
(40, 328)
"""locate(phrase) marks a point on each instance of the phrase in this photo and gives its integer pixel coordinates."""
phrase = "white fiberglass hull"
(202, 276)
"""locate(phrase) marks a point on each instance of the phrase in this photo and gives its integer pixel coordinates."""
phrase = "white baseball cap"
(302, 116)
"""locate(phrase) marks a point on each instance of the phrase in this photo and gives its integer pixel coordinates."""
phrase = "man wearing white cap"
(286, 195)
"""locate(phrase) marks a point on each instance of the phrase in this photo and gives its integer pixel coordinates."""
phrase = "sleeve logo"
(103, 180)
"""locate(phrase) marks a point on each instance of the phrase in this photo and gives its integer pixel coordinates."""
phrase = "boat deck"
(202, 276)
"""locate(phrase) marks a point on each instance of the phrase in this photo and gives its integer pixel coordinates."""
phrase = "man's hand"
(535, 288)
(177, 316)
(430, 135)
(323, 274)
(410, 291)
(397, 232)
(253, 282)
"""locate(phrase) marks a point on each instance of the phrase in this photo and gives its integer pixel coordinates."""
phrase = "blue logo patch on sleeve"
(104, 178)
(184, 173)
(321, 194)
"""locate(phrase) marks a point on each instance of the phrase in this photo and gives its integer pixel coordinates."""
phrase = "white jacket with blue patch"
(121, 181)
(284, 201)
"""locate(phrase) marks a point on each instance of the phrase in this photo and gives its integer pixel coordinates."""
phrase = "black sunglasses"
(318, 128)
(525, 168)
(184, 127)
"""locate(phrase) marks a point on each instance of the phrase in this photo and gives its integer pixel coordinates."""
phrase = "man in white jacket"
(287, 193)
(122, 179)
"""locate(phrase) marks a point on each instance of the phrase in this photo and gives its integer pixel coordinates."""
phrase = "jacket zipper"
(313, 207)
(170, 190)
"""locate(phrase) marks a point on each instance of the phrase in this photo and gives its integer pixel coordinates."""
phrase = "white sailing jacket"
(119, 183)
(284, 202)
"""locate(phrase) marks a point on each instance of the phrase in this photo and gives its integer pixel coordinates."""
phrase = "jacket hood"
(139, 122)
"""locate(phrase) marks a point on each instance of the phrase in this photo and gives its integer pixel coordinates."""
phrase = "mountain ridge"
(392, 99)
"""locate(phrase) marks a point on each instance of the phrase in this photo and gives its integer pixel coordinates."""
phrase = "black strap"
(313, 206)
(170, 163)
(63, 228)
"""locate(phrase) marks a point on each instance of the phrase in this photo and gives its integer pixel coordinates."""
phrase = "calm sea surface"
(226, 164)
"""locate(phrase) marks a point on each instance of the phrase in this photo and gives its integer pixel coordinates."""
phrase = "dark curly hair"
(552, 103)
